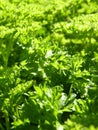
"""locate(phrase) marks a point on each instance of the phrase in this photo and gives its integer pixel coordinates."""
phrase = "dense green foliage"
(48, 64)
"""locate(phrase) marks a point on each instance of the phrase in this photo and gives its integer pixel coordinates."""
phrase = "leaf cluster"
(48, 65)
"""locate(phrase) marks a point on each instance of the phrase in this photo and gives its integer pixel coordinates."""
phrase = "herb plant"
(48, 65)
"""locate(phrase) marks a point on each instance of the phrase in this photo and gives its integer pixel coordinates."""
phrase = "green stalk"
(7, 121)
(1, 127)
